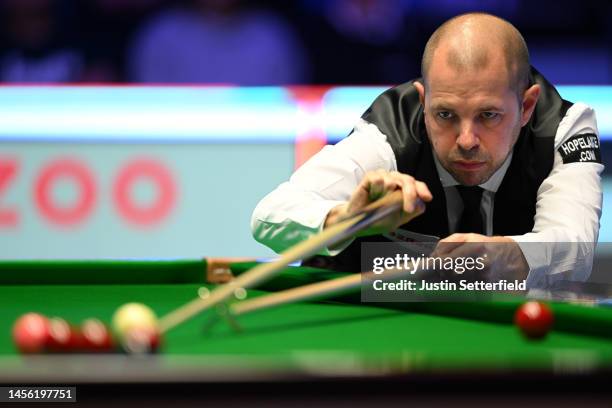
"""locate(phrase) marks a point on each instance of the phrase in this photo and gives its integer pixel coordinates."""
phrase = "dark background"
(266, 42)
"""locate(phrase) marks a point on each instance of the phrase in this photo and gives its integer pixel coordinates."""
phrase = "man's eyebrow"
(441, 106)
(491, 107)
(445, 106)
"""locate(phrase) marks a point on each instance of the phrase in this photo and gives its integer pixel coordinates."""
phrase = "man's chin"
(471, 178)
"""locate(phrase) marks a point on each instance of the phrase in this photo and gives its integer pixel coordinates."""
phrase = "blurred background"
(278, 42)
(151, 128)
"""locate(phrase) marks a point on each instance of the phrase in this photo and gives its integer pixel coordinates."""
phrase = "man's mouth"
(469, 165)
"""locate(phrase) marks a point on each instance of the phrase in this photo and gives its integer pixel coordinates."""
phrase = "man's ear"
(530, 98)
(421, 90)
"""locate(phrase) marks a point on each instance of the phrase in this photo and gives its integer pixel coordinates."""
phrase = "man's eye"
(445, 115)
(489, 115)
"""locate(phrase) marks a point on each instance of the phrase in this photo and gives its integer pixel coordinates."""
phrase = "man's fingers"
(423, 191)
(410, 196)
(376, 188)
(376, 184)
(448, 244)
(391, 184)
(359, 198)
(467, 249)
(457, 237)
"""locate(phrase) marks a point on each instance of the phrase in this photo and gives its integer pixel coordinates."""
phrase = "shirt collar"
(492, 184)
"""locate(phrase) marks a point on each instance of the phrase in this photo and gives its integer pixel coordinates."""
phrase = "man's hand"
(375, 185)
(503, 258)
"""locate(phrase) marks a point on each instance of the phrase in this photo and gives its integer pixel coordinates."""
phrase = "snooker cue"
(306, 292)
(376, 211)
(309, 292)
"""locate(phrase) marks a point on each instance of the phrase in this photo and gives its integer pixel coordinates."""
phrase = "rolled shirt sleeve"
(562, 243)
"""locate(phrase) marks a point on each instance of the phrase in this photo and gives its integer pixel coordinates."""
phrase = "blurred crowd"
(277, 42)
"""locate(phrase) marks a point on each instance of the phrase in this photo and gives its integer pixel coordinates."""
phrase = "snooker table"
(339, 346)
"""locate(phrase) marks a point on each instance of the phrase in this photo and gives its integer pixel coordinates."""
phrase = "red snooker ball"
(96, 336)
(63, 338)
(31, 333)
(534, 319)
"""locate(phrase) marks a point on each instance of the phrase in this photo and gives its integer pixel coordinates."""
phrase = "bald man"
(484, 150)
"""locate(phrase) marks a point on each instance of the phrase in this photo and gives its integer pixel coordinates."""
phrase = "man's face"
(473, 120)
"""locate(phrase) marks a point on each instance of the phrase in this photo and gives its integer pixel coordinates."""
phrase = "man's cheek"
(440, 150)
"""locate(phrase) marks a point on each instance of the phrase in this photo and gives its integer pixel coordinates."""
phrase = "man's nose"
(467, 139)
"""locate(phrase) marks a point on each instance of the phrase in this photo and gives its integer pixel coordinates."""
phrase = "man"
(483, 140)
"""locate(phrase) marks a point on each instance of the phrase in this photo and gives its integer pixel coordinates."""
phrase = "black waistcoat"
(398, 114)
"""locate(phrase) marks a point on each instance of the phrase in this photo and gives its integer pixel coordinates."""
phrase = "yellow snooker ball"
(133, 316)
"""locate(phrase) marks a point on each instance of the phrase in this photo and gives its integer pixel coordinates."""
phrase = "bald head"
(475, 41)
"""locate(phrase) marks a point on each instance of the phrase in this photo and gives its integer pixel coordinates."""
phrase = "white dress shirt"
(454, 203)
(568, 204)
